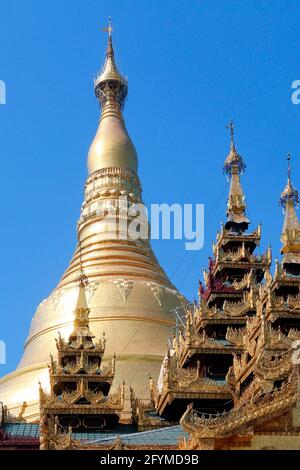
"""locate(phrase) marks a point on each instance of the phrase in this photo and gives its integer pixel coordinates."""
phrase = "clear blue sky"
(192, 66)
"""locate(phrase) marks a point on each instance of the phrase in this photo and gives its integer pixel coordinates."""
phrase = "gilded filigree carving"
(243, 417)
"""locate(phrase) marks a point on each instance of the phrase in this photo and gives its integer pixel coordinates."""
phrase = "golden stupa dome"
(129, 295)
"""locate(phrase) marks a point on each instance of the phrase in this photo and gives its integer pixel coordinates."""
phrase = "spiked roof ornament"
(289, 193)
(234, 162)
(110, 84)
(236, 206)
(81, 318)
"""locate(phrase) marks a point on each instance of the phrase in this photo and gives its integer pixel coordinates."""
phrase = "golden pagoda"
(130, 296)
(197, 366)
(79, 398)
(264, 377)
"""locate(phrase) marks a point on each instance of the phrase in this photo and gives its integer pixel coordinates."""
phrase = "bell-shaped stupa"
(129, 296)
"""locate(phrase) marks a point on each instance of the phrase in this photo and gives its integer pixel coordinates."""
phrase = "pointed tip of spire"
(289, 193)
(230, 126)
(110, 83)
(234, 162)
(81, 302)
(109, 30)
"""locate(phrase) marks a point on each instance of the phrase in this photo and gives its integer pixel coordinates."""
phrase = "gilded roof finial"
(289, 193)
(81, 318)
(230, 126)
(234, 162)
(81, 278)
(289, 166)
(110, 85)
(290, 236)
(236, 206)
(109, 29)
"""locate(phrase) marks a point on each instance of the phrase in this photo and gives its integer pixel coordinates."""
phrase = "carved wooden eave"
(247, 282)
(282, 278)
(256, 264)
(6, 417)
(283, 307)
(179, 383)
(242, 419)
(236, 337)
(96, 402)
(270, 367)
(204, 392)
(101, 409)
(221, 320)
(215, 294)
(253, 343)
(103, 374)
(265, 344)
(275, 340)
(224, 236)
(232, 313)
(144, 415)
(68, 347)
(196, 345)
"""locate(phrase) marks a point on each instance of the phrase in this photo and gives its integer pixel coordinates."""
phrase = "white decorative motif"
(158, 291)
(91, 289)
(56, 297)
(124, 287)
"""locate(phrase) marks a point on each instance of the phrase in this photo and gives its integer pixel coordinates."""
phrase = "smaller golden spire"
(234, 166)
(81, 320)
(289, 193)
(290, 236)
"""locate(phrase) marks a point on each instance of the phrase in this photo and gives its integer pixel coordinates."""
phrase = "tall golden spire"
(290, 236)
(234, 166)
(112, 146)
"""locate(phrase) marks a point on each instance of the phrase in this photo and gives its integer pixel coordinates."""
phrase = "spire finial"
(230, 126)
(81, 278)
(288, 157)
(233, 167)
(80, 258)
(290, 236)
(234, 162)
(109, 29)
(110, 85)
(289, 193)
